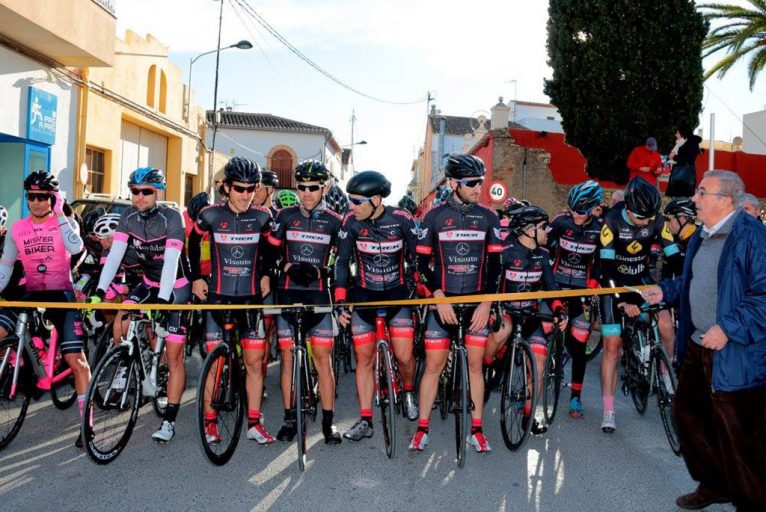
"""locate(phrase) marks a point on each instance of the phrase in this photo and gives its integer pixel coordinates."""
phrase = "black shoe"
(79, 444)
(331, 434)
(539, 427)
(287, 432)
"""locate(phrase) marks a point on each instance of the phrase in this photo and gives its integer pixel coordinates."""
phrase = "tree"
(624, 70)
(742, 34)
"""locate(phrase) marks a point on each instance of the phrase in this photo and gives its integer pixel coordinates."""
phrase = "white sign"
(498, 191)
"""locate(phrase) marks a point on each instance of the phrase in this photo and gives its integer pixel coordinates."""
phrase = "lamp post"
(242, 45)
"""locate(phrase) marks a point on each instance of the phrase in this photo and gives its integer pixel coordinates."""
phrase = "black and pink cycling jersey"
(236, 248)
(305, 238)
(380, 248)
(461, 239)
(574, 250)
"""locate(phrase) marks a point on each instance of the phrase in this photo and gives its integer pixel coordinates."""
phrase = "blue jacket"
(741, 309)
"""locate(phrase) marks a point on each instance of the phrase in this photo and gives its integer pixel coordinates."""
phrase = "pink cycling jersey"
(43, 254)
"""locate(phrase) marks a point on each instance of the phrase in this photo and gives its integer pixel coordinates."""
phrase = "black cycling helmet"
(681, 206)
(269, 179)
(41, 180)
(196, 204)
(526, 215)
(241, 169)
(408, 203)
(464, 166)
(584, 197)
(642, 198)
(90, 218)
(311, 170)
(148, 176)
(368, 184)
(336, 200)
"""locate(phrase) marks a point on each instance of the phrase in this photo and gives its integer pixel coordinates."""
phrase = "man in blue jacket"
(720, 404)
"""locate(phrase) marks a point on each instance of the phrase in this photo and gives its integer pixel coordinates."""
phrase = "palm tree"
(743, 33)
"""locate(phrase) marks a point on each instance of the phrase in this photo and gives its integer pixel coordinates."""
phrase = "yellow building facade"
(132, 115)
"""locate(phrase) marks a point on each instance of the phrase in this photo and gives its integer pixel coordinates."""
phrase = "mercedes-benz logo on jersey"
(307, 250)
(381, 260)
(462, 249)
(574, 258)
(237, 251)
(524, 287)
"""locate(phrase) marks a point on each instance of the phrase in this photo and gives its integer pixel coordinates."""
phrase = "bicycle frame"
(383, 342)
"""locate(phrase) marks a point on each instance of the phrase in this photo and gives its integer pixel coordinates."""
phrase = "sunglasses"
(244, 190)
(641, 217)
(34, 196)
(142, 191)
(358, 201)
(309, 188)
(471, 182)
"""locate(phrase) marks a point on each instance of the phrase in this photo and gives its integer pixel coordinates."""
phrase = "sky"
(466, 54)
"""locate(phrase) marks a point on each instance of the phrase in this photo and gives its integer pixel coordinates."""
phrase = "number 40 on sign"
(498, 191)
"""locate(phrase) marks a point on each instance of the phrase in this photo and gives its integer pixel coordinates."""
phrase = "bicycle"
(592, 311)
(303, 396)
(647, 366)
(221, 389)
(28, 367)
(128, 376)
(553, 370)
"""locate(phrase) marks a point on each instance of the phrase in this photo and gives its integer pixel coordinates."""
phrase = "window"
(282, 164)
(188, 187)
(163, 92)
(94, 159)
(151, 85)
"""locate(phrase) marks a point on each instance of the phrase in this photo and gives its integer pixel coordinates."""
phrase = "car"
(110, 203)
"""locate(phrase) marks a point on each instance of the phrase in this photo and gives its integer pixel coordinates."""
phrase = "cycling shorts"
(319, 327)
(251, 330)
(531, 330)
(177, 320)
(68, 322)
(611, 315)
(400, 323)
(438, 335)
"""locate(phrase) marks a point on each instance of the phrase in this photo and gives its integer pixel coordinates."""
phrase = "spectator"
(645, 161)
(721, 345)
(751, 205)
(683, 177)
(618, 196)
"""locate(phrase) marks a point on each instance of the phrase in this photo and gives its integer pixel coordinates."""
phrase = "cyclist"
(572, 242)
(463, 239)
(285, 198)
(629, 231)
(238, 231)
(680, 214)
(15, 289)
(337, 201)
(526, 268)
(380, 240)
(264, 193)
(306, 235)
(156, 232)
(44, 242)
(196, 204)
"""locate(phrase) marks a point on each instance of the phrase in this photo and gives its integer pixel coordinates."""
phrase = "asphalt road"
(572, 467)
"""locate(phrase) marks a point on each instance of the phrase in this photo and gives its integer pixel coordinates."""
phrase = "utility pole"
(211, 178)
(428, 103)
(353, 122)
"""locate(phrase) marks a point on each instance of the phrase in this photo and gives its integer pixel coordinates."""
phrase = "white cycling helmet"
(105, 225)
(3, 216)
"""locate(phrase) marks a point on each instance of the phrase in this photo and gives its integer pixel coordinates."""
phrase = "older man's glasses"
(701, 192)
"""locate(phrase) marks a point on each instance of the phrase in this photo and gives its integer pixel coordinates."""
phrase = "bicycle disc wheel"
(666, 392)
(12, 410)
(219, 386)
(519, 393)
(111, 406)
(300, 387)
(386, 401)
(461, 397)
(552, 376)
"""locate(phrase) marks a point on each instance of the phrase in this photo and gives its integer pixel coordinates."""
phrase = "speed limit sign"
(498, 191)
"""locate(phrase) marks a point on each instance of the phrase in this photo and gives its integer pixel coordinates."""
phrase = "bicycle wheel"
(98, 346)
(638, 375)
(64, 394)
(111, 406)
(666, 392)
(12, 410)
(160, 401)
(461, 399)
(386, 395)
(519, 393)
(443, 394)
(300, 387)
(594, 345)
(553, 373)
(220, 387)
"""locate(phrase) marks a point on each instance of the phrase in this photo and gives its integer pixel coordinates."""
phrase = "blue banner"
(41, 116)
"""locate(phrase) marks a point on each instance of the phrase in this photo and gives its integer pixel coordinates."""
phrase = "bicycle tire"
(639, 386)
(99, 347)
(443, 394)
(519, 387)
(224, 394)
(64, 394)
(300, 387)
(12, 412)
(386, 396)
(553, 373)
(160, 400)
(461, 397)
(110, 413)
(665, 397)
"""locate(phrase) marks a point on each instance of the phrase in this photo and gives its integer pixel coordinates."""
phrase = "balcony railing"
(107, 4)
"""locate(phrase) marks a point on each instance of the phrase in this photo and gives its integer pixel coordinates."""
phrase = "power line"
(244, 4)
(736, 116)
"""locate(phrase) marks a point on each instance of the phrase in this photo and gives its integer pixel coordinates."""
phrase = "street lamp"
(360, 143)
(242, 45)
